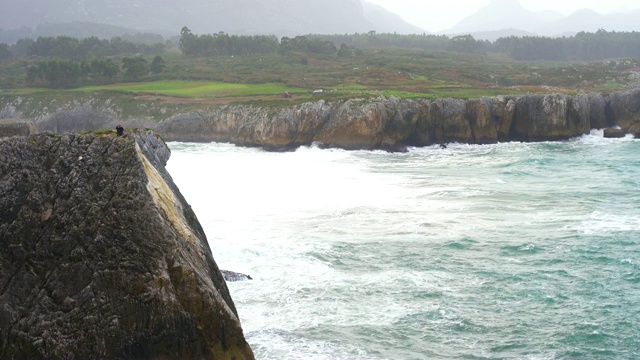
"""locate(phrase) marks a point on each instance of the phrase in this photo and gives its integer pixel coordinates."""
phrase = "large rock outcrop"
(625, 110)
(13, 127)
(550, 117)
(381, 123)
(101, 257)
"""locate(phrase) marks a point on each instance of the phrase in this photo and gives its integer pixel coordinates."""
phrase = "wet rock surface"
(614, 133)
(101, 257)
(234, 276)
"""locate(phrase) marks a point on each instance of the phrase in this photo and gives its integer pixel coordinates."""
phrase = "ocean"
(505, 251)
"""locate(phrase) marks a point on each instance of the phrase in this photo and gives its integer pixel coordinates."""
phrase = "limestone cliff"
(381, 123)
(392, 123)
(101, 256)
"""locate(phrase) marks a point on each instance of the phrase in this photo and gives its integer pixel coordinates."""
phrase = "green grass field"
(195, 89)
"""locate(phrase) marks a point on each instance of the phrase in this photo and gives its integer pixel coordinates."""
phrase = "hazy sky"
(437, 15)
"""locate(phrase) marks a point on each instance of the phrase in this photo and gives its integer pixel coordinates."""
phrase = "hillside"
(279, 17)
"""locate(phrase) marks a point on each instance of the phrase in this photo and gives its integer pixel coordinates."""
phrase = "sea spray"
(515, 250)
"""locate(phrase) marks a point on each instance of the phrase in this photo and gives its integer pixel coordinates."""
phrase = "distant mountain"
(279, 17)
(504, 14)
(591, 21)
(388, 22)
(510, 18)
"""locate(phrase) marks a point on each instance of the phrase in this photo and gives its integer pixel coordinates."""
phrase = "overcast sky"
(437, 15)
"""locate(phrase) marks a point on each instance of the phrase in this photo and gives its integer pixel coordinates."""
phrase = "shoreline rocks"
(384, 123)
(393, 124)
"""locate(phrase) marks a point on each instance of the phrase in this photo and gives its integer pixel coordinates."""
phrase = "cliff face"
(392, 124)
(101, 256)
(551, 117)
(383, 123)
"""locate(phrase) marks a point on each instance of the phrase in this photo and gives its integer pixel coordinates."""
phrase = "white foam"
(602, 223)
(340, 242)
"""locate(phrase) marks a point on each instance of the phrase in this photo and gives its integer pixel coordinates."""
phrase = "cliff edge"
(101, 256)
(380, 123)
(393, 123)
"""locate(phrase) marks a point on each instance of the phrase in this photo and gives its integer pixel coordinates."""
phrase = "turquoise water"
(507, 251)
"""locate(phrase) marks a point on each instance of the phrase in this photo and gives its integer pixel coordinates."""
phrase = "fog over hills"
(509, 17)
(504, 14)
(109, 18)
(279, 17)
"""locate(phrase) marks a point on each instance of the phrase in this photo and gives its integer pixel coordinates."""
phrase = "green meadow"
(195, 89)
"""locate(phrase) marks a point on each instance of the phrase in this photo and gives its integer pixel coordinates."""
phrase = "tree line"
(65, 47)
(223, 44)
(583, 46)
(233, 45)
(373, 40)
(70, 62)
(63, 73)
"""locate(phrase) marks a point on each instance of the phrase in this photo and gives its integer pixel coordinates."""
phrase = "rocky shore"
(102, 257)
(382, 123)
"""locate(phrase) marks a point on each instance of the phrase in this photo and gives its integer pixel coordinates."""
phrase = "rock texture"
(101, 257)
(382, 123)
(550, 117)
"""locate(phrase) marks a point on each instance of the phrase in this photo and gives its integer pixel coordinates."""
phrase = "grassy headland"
(406, 73)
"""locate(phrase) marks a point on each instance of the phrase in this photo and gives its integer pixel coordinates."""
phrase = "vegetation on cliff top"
(260, 69)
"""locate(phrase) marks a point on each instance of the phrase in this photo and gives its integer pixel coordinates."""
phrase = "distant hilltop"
(245, 17)
(508, 17)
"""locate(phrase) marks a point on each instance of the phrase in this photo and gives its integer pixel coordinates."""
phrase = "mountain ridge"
(242, 17)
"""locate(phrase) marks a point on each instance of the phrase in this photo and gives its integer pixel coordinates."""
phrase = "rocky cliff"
(392, 123)
(382, 123)
(102, 257)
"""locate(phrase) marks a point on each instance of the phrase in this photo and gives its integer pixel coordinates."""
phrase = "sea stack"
(102, 257)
